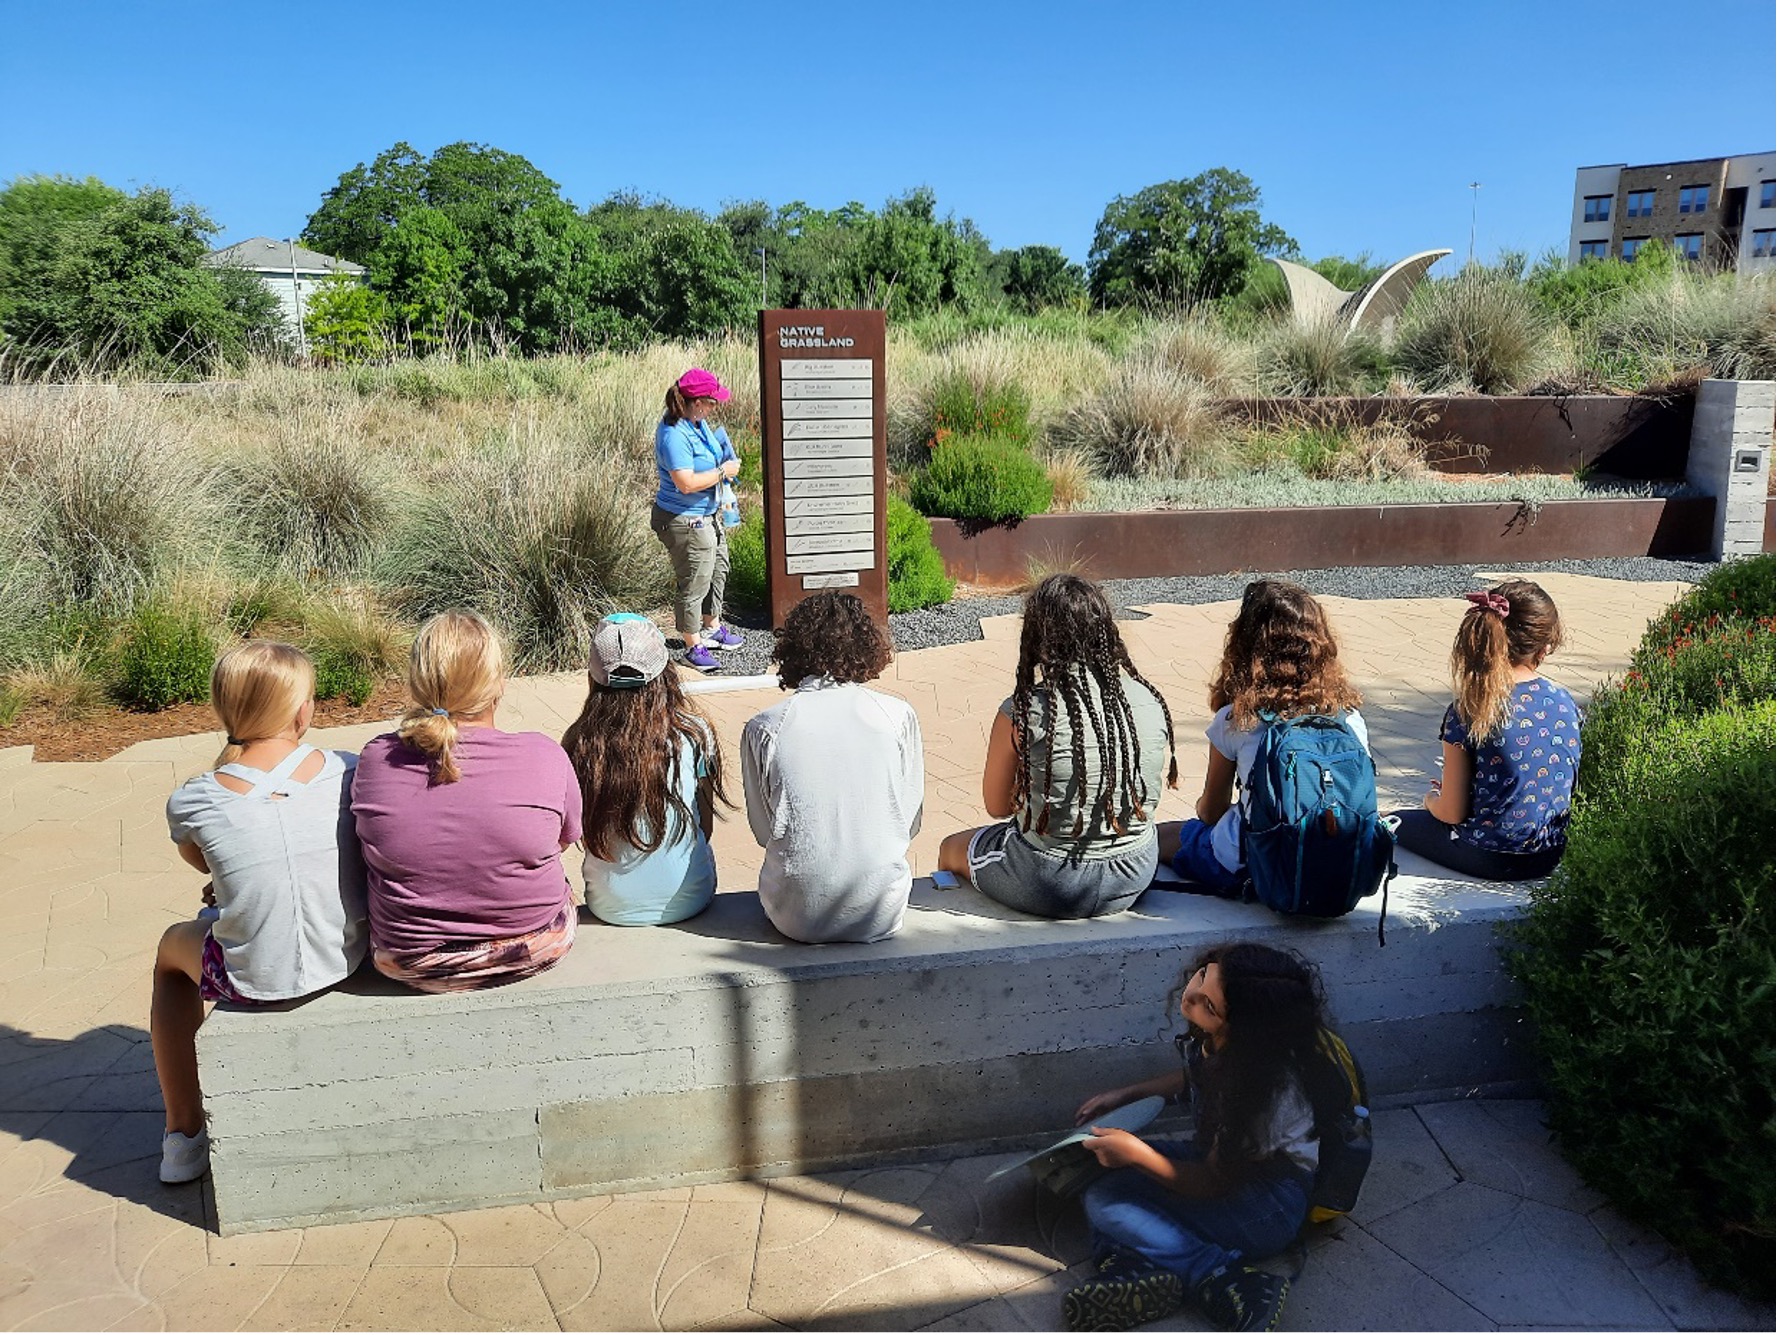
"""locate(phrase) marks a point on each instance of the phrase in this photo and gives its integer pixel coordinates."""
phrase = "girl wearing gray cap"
(651, 772)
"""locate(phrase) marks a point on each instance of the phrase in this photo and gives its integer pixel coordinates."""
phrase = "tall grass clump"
(1720, 325)
(1480, 331)
(98, 496)
(542, 541)
(1320, 357)
(1648, 960)
(312, 498)
(1150, 421)
(1208, 353)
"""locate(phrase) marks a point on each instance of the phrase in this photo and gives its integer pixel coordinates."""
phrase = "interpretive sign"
(822, 455)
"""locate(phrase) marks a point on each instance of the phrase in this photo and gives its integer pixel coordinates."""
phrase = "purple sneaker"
(700, 657)
(723, 638)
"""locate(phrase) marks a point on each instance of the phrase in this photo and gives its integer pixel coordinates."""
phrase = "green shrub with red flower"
(1648, 959)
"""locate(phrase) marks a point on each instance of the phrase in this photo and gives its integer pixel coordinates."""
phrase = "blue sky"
(1362, 124)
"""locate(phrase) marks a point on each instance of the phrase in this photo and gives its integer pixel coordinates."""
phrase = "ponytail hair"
(674, 405)
(1515, 623)
(455, 670)
(257, 690)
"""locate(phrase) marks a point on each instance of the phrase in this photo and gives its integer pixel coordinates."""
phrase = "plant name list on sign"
(823, 455)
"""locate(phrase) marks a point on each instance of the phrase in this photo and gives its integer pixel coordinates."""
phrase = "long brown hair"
(1280, 655)
(1068, 637)
(626, 747)
(1490, 645)
(1274, 1009)
(674, 405)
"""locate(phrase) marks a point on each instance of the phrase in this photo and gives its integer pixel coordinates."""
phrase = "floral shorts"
(472, 965)
(213, 976)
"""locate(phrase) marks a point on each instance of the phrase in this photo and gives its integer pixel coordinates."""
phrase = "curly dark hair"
(1068, 638)
(1280, 655)
(830, 634)
(1274, 1012)
(626, 750)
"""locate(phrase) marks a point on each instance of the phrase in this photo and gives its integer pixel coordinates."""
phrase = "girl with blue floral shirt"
(1509, 743)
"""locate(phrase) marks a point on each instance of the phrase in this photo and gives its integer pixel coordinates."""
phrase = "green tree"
(419, 268)
(97, 279)
(687, 281)
(1180, 243)
(359, 212)
(910, 261)
(1035, 277)
(346, 321)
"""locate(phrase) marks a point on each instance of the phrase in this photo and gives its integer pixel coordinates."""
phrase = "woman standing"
(694, 460)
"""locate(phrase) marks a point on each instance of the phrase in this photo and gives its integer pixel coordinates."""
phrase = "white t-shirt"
(1241, 745)
(287, 871)
(833, 781)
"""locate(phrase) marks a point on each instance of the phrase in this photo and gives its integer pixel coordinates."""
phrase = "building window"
(1762, 244)
(1598, 208)
(1694, 199)
(1766, 200)
(1638, 203)
(1688, 245)
(1593, 250)
(1630, 246)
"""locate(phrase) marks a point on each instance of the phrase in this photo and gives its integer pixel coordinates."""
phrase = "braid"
(1112, 652)
(1125, 661)
(1023, 785)
(1078, 758)
(1050, 733)
(1116, 768)
(1097, 719)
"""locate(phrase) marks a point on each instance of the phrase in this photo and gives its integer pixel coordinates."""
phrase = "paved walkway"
(1469, 1221)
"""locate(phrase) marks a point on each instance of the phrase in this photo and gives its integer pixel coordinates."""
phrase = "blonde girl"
(269, 823)
(1509, 745)
(463, 825)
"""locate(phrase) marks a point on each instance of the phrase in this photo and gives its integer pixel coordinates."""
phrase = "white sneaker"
(184, 1158)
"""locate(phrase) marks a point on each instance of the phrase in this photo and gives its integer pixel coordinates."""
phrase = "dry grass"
(1072, 476)
(1150, 421)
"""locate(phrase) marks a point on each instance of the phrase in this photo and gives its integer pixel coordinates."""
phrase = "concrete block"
(285, 1179)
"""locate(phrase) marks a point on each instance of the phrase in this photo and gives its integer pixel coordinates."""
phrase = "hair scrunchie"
(446, 713)
(1493, 601)
(236, 741)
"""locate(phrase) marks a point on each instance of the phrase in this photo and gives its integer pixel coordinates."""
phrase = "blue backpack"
(1313, 842)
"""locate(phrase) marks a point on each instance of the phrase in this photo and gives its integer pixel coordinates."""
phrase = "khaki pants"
(699, 550)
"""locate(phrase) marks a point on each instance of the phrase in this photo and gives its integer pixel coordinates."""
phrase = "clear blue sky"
(1361, 124)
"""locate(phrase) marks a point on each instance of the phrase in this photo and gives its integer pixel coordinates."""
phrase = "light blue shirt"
(698, 446)
(639, 889)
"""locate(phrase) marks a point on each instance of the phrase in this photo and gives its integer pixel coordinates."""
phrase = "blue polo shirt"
(698, 446)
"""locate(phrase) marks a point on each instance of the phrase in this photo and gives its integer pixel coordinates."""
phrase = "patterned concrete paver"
(1470, 1221)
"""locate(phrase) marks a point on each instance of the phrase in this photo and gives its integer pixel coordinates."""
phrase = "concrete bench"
(716, 1049)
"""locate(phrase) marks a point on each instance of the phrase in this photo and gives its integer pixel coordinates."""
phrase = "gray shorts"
(1013, 872)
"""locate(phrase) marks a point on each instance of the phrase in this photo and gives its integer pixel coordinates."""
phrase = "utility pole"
(297, 300)
(1472, 244)
(762, 252)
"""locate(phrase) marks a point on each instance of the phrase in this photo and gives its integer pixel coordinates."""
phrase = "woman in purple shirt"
(463, 825)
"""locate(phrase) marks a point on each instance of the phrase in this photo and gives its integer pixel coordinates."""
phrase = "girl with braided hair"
(1279, 660)
(1509, 745)
(1075, 767)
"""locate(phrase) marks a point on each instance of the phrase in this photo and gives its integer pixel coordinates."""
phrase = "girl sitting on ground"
(1509, 745)
(832, 777)
(463, 825)
(270, 825)
(649, 768)
(1279, 660)
(1180, 1222)
(1075, 766)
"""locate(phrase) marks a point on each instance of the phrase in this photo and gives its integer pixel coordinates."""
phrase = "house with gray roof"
(292, 272)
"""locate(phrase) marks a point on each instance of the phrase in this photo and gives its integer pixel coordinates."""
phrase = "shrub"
(315, 499)
(747, 585)
(1314, 358)
(341, 678)
(1740, 588)
(962, 405)
(981, 479)
(354, 647)
(1481, 330)
(916, 572)
(345, 321)
(1648, 963)
(1150, 421)
(164, 657)
(542, 541)
(1721, 325)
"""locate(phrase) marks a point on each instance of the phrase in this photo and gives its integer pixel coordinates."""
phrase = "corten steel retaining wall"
(1135, 545)
(1635, 437)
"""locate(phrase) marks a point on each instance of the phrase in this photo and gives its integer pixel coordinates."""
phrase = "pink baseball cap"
(699, 383)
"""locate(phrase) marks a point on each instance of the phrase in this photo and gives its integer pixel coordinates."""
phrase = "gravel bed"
(957, 621)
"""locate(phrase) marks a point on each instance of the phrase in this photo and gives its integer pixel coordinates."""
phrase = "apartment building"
(1719, 211)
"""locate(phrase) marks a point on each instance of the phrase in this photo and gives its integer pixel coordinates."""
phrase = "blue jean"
(1132, 1210)
(1195, 861)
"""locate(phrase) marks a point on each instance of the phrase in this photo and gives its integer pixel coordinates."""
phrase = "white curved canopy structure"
(1375, 306)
